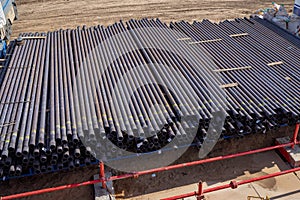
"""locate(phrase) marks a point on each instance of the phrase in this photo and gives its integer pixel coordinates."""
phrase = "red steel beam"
(233, 184)
(102, 174)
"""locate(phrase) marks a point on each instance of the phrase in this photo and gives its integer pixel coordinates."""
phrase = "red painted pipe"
(294, 140)
(102, 174)
(233, 184)
(47, 190)
(200, 191)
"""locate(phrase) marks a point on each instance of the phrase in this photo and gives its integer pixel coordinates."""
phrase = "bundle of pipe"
(267, 95)
(57, 101)
(68, 94)
(26, 141)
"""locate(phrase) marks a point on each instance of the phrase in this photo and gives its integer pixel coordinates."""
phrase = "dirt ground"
(48, 15)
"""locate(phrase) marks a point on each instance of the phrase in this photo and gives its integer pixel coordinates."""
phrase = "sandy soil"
(48, 15)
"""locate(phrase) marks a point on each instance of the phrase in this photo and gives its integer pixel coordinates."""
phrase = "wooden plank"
(275, 63)
(205, 41)
(232, 69)
(7, 124)
(288, 78)
(15, 102)
(23, 67)
(229, 85)
(183, 39)
(33, 37)
(239, 35)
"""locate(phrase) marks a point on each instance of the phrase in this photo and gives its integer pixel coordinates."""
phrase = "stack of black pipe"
(268, 95)
(68, 95)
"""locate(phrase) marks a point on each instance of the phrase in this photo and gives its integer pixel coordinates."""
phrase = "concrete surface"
(285, 187)
(101, 193)
(295, 154)
(240, 193)
(291, 154)
(298, 174)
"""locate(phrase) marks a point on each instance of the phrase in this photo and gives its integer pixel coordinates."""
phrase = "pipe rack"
(56, 96)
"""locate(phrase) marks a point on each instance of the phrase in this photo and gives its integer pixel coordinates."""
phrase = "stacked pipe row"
(57, 101)
(281, 32)
(267, 94)
(69, 95)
